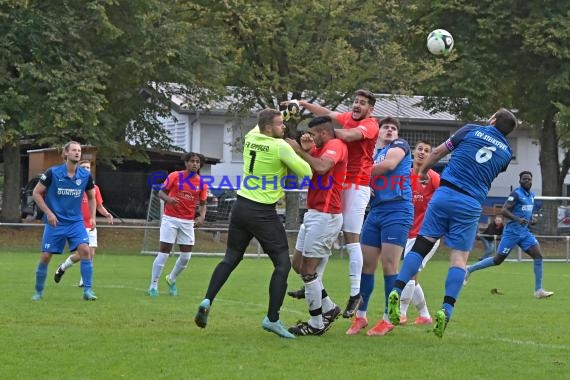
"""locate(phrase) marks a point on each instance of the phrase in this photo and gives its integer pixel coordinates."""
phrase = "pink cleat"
(403, 319)
(382, 328)
(423, 321)
(357, 325)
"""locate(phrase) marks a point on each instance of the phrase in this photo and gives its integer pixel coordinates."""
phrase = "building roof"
(405, 108)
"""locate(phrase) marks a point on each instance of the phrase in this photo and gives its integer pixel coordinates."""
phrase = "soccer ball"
(440, 42)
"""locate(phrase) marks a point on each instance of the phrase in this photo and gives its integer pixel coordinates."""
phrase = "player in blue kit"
(386, 228)
(59, 194)
(518, 208)
(480, 153)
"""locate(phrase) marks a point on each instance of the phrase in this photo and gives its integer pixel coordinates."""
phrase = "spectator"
(487, 237)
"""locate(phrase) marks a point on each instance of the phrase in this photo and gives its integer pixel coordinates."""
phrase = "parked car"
(28, 207)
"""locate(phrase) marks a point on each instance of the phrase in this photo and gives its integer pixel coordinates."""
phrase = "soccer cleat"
(201, 318)
(330, 316)
(37, 296)
(357, 325)
(423, 321)
(403, 319)
(172, 290)
(351, 306)
(89, 296)
(382, 328)
(59, 272)
(304, 328)
(394, 307)
(152, 292)
(276, 328)
(541, 293)
(466, 279)
(80, 285)
(440, 323)
(298, 294)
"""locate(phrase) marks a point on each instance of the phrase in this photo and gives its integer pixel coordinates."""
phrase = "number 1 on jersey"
(252, 153)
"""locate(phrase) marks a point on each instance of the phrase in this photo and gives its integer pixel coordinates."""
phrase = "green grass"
(126, 334)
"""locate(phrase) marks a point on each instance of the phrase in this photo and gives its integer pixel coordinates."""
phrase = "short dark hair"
(505, 121)
(265, 118)
(390, 120)
(422, 141)
(523, 173)
(322, 123)
(85, 162)
(367, 94)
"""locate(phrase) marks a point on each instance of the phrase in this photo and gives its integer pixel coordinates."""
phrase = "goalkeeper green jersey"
(265, 163)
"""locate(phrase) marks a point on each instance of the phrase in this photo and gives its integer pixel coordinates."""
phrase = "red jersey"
(421, 195)
(325, 193)
(360, 152)
(85, 207)
(187, 191)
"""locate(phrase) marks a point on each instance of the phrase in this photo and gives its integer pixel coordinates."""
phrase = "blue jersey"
(63, 194)
(523, 204)
(479, 154)
(395, 184)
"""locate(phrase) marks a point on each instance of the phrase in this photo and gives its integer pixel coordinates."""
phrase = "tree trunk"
(12, 181)
(550, 170)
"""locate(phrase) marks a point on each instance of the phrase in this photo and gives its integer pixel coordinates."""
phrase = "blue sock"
(453, 285)
(410, 267)
(366, 289)
(485, 263)
(389, 281)
(86, 269)
(537, 274)
(41, 274)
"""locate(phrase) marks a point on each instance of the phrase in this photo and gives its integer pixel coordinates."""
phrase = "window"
(210, 137)
(178, 132)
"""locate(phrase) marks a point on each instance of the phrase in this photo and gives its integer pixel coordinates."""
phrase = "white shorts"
(92, 233)
(318, 233)
(176, 230)
(410, 244)
(354, 202)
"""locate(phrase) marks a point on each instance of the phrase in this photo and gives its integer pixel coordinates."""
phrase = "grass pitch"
(126, 334)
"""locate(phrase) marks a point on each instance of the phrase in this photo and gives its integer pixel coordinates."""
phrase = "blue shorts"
(453, 215)
(388, 223)
(521, 237)
(54, 238)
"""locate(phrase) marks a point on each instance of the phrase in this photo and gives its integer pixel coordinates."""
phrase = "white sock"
(180, 265)
(157, 266)
(327, 302)
(361, 313)
(354, 267)
(419, 300)
(313, 296)
(406, 297)
(67, 263)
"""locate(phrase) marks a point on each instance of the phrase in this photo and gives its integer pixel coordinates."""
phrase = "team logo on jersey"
(78, 182)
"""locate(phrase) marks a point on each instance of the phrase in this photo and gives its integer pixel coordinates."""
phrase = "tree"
(323, 51)
(74, 70)
(509, 53)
